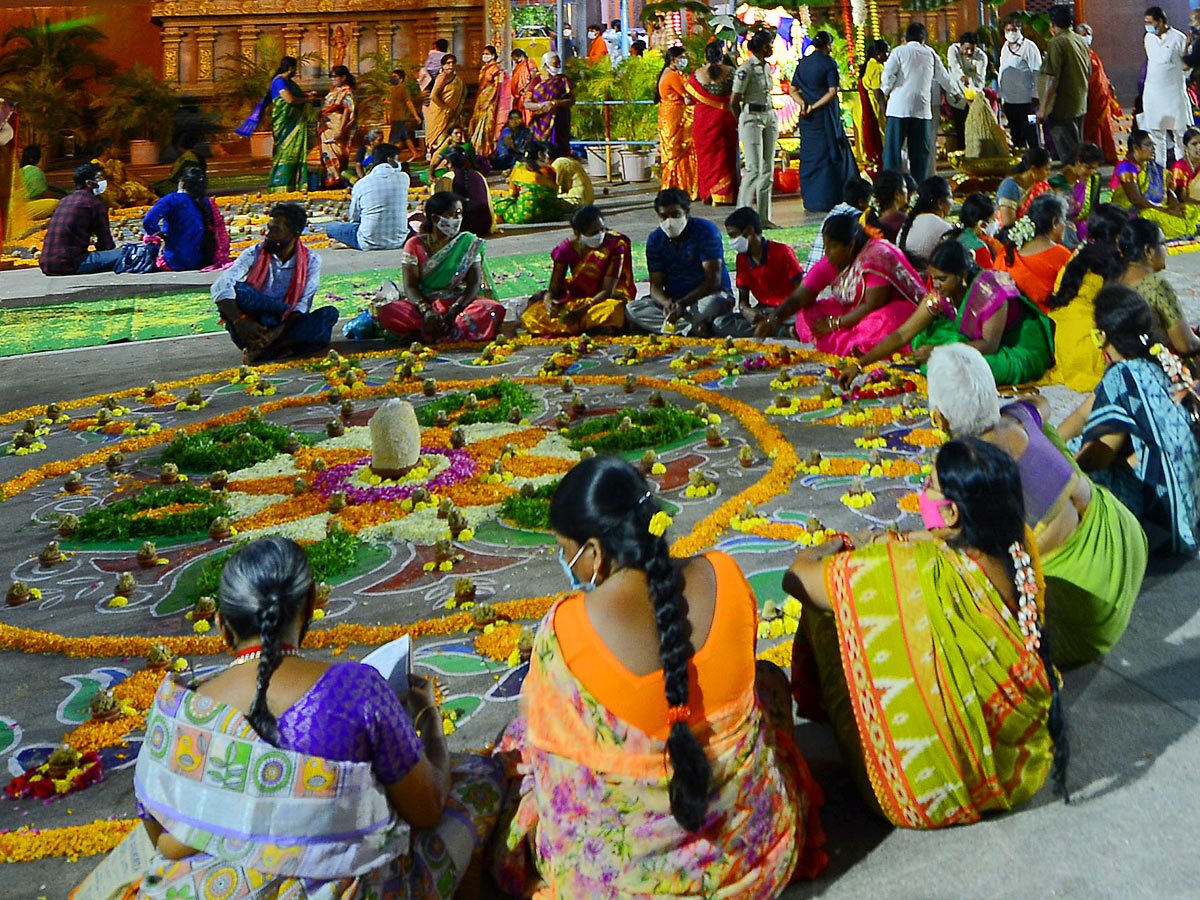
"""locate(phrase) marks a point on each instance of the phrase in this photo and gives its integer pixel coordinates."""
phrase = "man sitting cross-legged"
(266, 296)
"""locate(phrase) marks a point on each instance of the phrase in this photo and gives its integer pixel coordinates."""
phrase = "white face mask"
(1151, 29)
(1087, 38)
(100, 188)
(674, 226)
(681, 62)
(553, 70)
(740, 244)
(592, 241)
(448, 227)
(487, 57)
(1014, 37)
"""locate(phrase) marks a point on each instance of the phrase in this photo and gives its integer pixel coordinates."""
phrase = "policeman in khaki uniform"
(758, 126)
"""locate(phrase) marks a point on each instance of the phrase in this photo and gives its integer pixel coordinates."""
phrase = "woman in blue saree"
(283, 776)
(1135, 435)
(826, 160)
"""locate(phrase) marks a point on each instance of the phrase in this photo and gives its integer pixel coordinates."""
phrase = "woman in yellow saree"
(124, 190)
(482, 130)
(590, 284)
(925, 651)
(653, 758)
(445, 106)
(676, 150)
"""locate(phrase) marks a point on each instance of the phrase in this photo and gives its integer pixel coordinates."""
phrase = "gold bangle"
(417, 721)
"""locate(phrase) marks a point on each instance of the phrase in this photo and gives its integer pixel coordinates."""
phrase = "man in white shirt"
(265, 298)
(968, 65)
(1165, 104)
(378, 206)
(1020, 62)
(909, 77)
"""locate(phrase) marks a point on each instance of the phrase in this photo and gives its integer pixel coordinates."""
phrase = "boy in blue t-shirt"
(689, 284)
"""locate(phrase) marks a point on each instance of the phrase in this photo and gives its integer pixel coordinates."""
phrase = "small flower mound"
(342, 478)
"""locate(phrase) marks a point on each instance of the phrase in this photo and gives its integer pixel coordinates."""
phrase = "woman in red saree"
(869, 135)
(1102, 105)
(714, 128)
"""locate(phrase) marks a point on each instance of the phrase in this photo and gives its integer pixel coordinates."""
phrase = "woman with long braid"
(925, 650)
(285, 774)
(656, 758)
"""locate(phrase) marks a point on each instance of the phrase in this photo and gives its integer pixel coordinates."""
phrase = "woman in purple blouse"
(281, 768)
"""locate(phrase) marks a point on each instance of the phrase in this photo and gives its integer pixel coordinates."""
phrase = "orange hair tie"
(678, 714)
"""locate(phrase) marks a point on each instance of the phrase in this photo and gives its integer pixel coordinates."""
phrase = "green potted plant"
(634, 79)
(245, 80)
(141, 109)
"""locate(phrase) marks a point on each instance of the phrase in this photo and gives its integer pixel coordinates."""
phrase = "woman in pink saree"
(873, 290)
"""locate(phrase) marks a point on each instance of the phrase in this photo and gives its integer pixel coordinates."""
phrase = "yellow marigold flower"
(318, 615)
(445, 565)
(764, 630)
(201, 627)
(447, 727)
(466, 534)
(35, 593)
(180, 664)
(514, 658)
(451, 603)
(659, 523)
(118, 602)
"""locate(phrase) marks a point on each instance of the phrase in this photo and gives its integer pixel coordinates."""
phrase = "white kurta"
(1165, 99)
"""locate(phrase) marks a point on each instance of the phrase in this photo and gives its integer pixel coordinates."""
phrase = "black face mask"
(395, 79)
(274, 247)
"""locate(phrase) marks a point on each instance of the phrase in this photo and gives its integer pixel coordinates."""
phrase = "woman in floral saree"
(482, 130)
(925, 652)
(874, 289)
(714, 128)
(983, 309)
(337, 125)
(675, 147)
(443, 278)
(327, 788)
(590, 284)
(650, 763)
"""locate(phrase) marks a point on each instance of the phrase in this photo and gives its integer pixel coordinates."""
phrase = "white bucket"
(635, 165)
(597, 167)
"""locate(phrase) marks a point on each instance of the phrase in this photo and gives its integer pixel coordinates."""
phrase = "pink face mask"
(931, 510)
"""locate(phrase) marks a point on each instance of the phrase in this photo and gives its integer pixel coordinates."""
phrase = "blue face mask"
(576, 583)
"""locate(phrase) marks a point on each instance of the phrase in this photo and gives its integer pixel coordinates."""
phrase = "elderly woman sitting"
(1093, 549)
(285, 776)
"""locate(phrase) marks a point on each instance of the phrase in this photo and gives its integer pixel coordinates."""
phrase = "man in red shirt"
(768, 271)
(78, 217)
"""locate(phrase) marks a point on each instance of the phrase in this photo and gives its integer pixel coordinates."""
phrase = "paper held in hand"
(394, 662)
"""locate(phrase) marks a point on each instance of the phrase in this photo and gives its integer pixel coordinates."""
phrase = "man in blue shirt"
(689, 284)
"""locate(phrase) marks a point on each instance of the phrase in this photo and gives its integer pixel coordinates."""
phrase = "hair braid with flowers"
(607, 499)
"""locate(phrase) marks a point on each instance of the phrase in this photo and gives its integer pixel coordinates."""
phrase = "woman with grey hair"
(1093, 549)
(363, 159)
(279, 768)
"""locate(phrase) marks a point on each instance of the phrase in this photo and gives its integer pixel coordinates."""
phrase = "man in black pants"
(1020, 62)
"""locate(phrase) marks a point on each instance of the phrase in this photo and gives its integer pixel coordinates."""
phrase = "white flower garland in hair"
(806, 17)
(1027, 589)
(858, 12)
(1181, 380)
(1022, 231)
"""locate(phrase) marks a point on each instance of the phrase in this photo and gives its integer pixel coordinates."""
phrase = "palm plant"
(48, 107)
(63, 48)
(139, 106)
(246, 77)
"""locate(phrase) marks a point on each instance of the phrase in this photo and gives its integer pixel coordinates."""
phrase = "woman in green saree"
(290, 115)
(983, 309)
(925, 650)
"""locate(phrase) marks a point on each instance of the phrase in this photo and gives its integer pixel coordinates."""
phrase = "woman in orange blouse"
(1033, 250)
(675, 147)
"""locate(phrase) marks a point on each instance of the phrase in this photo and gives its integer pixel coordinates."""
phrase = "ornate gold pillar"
(171, 39)
(291, 39)
(383, 38)
(206, 39)
(247, 36)
(352, 46)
